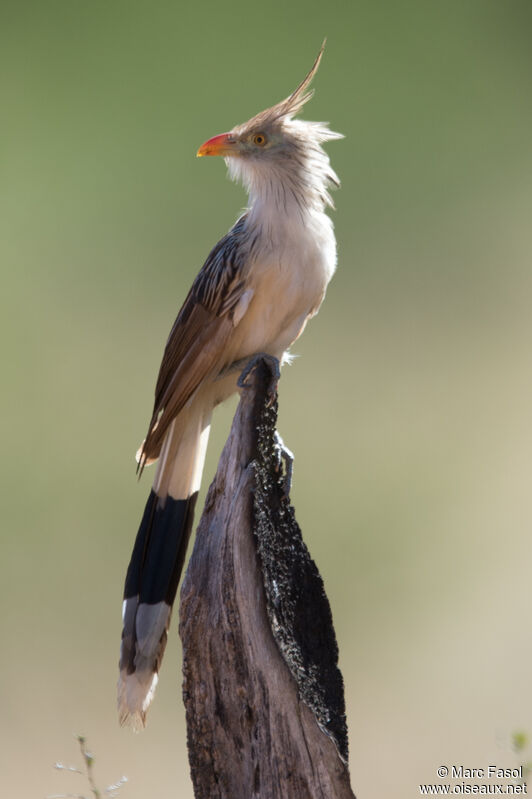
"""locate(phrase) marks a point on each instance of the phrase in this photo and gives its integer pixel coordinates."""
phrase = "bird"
(255, 293)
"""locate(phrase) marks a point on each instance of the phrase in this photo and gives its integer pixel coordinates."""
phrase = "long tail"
(157, 561)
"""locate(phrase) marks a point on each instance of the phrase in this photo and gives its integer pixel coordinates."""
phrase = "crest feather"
(295, 102)
(292, 105)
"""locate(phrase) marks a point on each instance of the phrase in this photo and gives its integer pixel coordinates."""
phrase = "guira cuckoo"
(254, 294)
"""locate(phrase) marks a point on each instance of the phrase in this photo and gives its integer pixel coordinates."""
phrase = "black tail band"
(160, 549)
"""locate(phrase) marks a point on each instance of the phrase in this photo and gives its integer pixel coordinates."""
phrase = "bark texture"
(262, 690)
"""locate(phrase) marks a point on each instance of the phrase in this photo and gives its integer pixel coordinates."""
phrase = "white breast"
(293, 264)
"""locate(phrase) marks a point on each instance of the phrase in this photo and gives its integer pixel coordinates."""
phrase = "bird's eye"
(259, 139)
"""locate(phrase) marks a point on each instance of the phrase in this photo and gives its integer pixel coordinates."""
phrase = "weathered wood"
(250, 734)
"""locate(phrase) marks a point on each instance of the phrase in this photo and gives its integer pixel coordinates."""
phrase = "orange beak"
(224, 144)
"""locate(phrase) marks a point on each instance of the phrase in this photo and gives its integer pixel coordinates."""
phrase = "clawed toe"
(274, 368)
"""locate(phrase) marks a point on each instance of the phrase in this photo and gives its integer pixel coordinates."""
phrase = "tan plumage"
(196, 347)
(254, 294)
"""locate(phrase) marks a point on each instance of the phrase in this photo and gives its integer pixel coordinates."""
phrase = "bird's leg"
(287, 456)
(250, 364)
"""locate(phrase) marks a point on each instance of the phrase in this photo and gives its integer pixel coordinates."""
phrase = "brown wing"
(195, 348)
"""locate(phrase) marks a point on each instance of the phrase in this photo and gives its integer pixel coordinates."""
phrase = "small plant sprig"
(88, 760)
(520, 742)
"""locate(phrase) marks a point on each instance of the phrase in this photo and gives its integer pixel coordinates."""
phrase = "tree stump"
(262, 690)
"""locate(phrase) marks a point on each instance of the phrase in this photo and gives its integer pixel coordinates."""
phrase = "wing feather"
(195, 348)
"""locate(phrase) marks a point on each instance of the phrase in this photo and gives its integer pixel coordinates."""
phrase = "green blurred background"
(409, 409)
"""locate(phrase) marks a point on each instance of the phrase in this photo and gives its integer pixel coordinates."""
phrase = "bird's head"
(273, 149)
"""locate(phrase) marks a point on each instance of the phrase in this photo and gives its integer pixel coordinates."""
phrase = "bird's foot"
(275, 370)
(287, 456)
